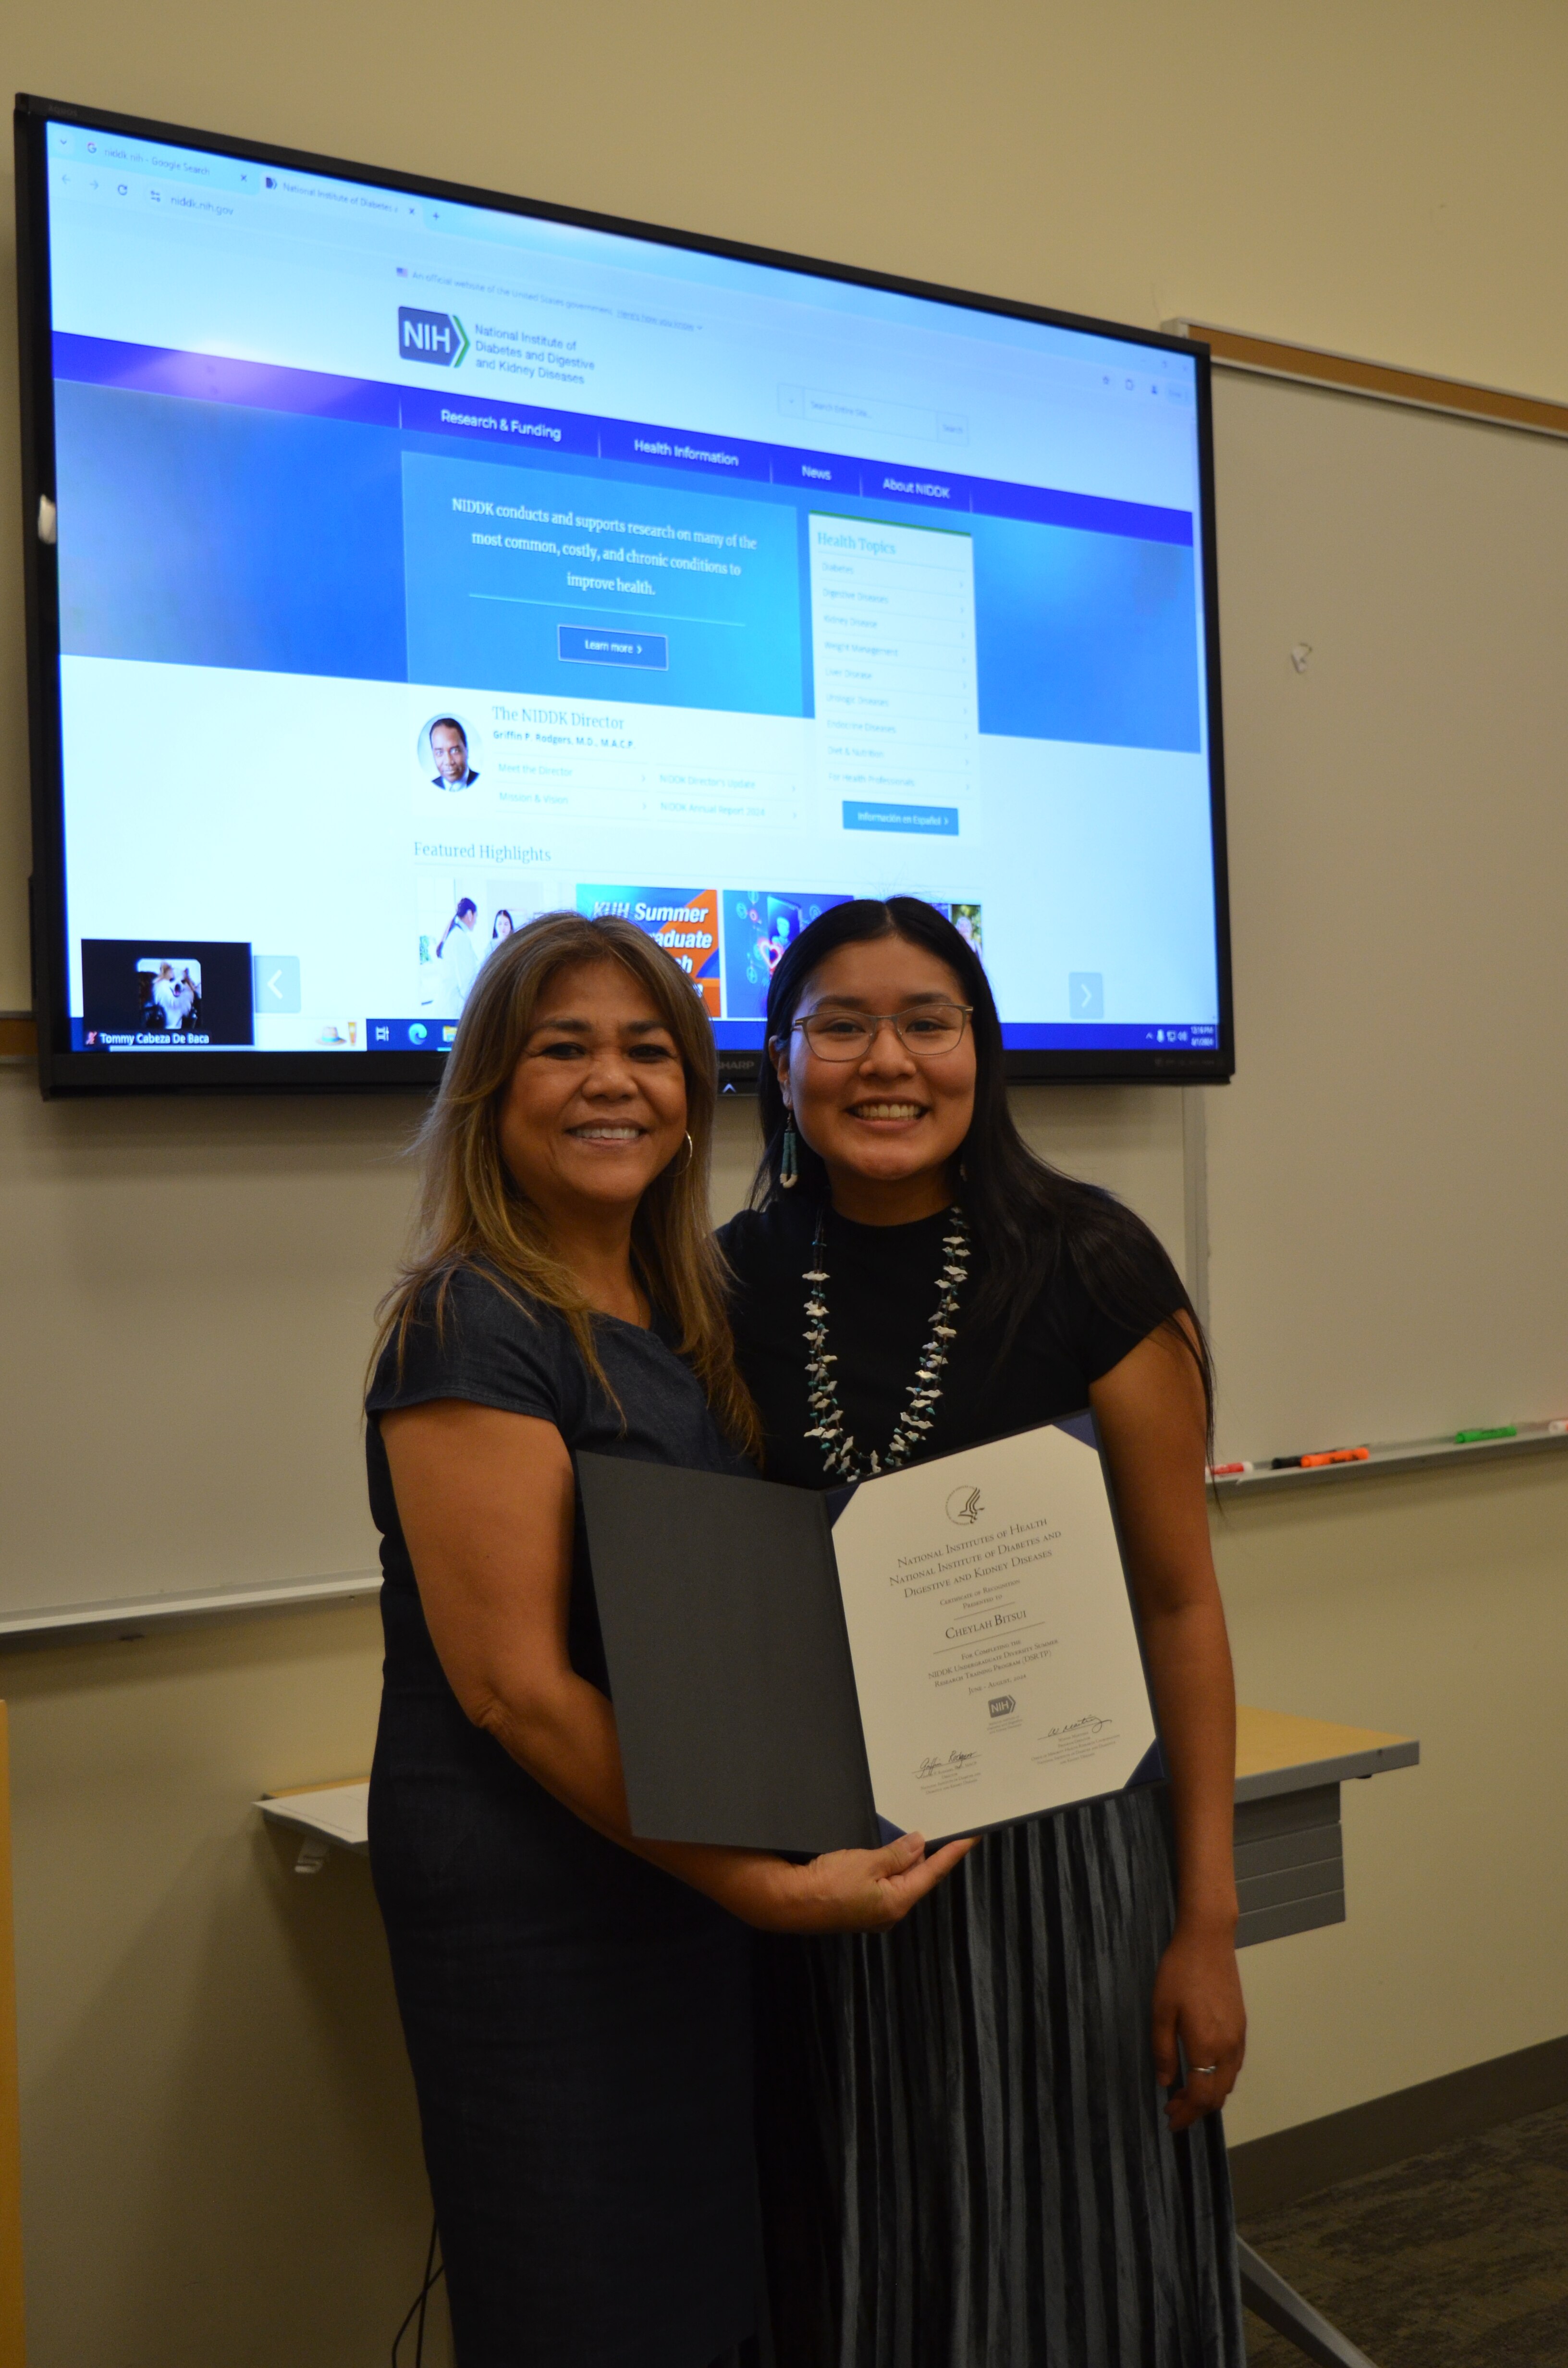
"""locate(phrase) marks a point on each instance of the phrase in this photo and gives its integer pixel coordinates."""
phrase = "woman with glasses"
(991, 2135)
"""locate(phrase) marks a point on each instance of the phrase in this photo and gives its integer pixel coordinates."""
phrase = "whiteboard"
(186, 1289)
(1388, 1174)
(187, 1286)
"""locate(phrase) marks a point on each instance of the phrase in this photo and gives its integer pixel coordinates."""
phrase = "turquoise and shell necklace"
(839, 1458)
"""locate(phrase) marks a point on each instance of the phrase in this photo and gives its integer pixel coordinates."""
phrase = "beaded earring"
(789, 1162)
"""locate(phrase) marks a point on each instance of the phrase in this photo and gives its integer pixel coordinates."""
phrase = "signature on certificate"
(938, 1766)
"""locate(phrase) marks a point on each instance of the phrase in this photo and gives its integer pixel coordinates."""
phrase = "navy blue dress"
(578, 2022)
(966, 2163)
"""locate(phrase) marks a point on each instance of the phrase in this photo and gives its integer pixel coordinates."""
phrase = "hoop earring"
(789, 1157)
(690, 1155)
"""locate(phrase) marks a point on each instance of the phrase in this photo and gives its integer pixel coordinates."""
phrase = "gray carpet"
(1457, 2258)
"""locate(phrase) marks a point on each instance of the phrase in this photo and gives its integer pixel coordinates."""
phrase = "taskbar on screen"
(747, 1036)
(427, 1035)
(403, 1058)
(1030, 1036)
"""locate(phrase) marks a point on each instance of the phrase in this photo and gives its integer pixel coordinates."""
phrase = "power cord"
(435, 2271)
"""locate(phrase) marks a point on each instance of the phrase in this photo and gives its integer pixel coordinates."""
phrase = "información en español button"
(924, 822)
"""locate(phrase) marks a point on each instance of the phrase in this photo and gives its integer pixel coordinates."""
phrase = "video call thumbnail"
(166, 994)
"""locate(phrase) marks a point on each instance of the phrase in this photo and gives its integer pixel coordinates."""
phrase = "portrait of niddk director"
(448, 754)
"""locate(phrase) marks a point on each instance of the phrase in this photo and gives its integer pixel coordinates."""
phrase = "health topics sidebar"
(892, 631)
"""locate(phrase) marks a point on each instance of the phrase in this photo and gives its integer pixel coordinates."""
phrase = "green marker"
(1499, 1431)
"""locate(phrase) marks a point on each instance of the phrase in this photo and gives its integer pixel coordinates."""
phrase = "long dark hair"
(1025, 1214)
(465, 905)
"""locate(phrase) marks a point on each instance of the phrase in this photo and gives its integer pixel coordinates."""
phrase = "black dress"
(966, 2163)
(578, 2022)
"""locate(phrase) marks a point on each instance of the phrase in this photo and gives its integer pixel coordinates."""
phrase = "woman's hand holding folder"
(843, 1891)
(487, 1502)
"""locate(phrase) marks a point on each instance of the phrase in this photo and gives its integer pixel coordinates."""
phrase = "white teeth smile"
(887, 1109)
(606, 1134)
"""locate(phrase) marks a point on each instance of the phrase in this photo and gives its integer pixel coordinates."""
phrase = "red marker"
(1230, 1471)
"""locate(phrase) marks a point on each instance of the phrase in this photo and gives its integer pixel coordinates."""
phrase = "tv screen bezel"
(64, 1070)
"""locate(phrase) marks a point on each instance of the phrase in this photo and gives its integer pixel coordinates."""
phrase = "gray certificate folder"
(940, 1649)
(728, 1659)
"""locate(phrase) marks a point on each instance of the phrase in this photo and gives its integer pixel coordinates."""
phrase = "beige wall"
(219, 2142)
(220, 2151)
(1387, 180)
(1433, 1605)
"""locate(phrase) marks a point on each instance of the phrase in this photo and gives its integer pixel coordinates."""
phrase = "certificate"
(997, 1665)
(937, 1650)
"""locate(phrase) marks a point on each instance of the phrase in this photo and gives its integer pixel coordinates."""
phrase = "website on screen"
(424, 568)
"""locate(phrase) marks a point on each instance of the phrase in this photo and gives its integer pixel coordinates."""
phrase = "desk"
(326, 1817)
(1289, 1878)
(1289, 1852)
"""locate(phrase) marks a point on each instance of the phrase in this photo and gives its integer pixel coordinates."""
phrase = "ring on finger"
(1204, 2070)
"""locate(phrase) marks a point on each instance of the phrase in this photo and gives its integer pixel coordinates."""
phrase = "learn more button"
(920, 821)
(593, 645)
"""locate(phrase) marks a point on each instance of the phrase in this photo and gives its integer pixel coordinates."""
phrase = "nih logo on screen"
(437, 338)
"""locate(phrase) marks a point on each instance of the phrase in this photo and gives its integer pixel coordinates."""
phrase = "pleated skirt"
(966, 2162)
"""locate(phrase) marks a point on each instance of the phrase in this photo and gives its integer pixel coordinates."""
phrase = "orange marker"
(1337, 1455)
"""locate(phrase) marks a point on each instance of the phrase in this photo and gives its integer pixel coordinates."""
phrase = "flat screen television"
(406, 561)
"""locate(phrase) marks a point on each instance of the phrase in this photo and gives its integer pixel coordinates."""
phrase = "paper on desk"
(339, 1811)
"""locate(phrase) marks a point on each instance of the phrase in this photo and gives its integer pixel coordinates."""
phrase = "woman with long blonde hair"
(574, 1998)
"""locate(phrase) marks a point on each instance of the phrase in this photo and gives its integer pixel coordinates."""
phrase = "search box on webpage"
(869, 414)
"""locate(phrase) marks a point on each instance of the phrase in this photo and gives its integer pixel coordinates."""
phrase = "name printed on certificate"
(995, 1654)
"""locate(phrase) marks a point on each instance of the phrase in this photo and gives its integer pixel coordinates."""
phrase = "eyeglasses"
(928, 1029)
